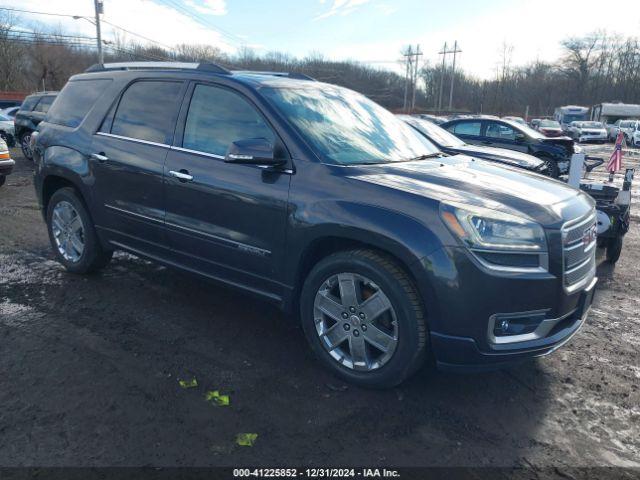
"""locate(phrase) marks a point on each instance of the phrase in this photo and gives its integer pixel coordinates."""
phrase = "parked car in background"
(519, 120)
(7, 130)
(627, 127)
(10, 112)
(31, 113)
(550, 128)
(449, 143)
(6, 163)
(534, 123)
(390, 251)
(9, 103)
(555, 152)
(588, 132)
(432, 118)
(634, 135)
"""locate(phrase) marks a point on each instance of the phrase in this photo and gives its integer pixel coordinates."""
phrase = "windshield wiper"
(425, 156)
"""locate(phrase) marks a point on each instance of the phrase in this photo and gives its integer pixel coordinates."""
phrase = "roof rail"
(294, 75)
(204, 66)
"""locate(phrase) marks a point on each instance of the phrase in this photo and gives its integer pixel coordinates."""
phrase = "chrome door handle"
(99, 157)
(183, 176)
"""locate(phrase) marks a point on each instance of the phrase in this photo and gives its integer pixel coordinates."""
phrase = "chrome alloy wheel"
(25, 144)
(68, 231)
(355, 321)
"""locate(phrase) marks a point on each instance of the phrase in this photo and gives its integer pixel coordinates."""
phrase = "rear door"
(223, 219)
(127, 160)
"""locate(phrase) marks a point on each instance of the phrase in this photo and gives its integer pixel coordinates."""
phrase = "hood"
(551, 131)
(565, 143)
(462, 180)
(502, 155)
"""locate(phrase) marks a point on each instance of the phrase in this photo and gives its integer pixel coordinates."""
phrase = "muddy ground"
(89, 369)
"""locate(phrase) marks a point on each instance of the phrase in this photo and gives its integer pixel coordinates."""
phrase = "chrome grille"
(579, 252)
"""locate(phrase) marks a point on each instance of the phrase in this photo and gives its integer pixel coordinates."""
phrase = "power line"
(136, 34)
(185, 11)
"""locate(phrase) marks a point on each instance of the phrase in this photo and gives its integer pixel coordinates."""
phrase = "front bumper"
(464, 303)
(593, 138)
(6, 167)
(462, 354)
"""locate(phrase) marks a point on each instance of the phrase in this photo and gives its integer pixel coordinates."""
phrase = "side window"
(29, 103)
(217, 117)
(147, 111)
(500, 131)
(467, 128)
(75, 101)
(44, 104)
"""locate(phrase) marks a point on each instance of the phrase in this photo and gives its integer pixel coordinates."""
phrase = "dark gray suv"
(313, 197)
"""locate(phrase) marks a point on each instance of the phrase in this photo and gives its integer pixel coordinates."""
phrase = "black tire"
(552, 166)
(3, 178)
(411, 347)
(94, 257)
(614, 248)
(25, 140)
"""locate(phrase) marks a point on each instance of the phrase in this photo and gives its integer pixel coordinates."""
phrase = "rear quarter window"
(75, 101)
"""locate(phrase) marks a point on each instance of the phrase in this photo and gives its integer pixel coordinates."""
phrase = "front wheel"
(25, 145)
(364, 319)
(73, 235)
(552, 166)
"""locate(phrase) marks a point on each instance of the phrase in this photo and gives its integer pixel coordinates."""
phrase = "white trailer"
(609, 113)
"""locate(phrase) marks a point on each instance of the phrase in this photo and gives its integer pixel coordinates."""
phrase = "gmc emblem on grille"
(590, 235)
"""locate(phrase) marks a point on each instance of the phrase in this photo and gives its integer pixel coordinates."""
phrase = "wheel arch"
(323, 246)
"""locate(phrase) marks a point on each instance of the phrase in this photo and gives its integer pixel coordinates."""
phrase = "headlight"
(485, 229)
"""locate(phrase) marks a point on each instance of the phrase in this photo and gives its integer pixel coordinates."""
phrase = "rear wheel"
(73, 235)
(614, 248)
(363, 318)
(25, 145)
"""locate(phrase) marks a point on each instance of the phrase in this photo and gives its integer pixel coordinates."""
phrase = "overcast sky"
(367, 30)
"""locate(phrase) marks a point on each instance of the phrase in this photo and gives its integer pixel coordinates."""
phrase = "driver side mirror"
(252, 151)
(520, 137)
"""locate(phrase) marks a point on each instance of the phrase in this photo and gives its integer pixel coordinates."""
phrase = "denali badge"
(590, 235)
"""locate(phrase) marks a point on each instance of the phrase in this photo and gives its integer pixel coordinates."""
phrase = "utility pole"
(453, 73)
(415, 77)
(99, 6)
(444, 56)
(408, 55)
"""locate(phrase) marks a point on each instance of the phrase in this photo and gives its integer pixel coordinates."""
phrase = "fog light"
(517, 324)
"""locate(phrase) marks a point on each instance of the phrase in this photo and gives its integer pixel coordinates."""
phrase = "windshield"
(435, 133)
(346, 128)
(549, 124)
(590, 125)
(573, 117)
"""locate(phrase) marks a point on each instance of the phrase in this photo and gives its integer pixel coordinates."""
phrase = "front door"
(127, 159)
(223, 219)
(501, 135)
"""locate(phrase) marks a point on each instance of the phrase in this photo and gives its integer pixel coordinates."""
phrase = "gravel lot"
(90, 368)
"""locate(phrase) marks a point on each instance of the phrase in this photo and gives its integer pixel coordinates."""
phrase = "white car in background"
(586, 131)
(10, 112)
(7, 130)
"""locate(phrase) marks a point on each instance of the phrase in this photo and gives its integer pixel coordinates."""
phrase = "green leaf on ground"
(188, 383)
(214, 397)
(246, 439)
